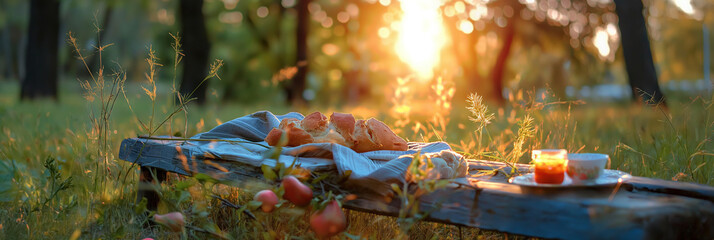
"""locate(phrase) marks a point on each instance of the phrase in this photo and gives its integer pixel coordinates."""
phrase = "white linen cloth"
(373, 171)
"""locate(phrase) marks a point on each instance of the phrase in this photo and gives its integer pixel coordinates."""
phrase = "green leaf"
(441, 184)
(268, 173)
(254, 204)
(275, 154)
(280, 191)
(293, 212)
(183, 196)
(292, 165)
(345, 176)
(243, 208)
(141, 207)
(280, 203)
(283, 140)
(202, 214)
(320, 178)
(8, 187)
(183, 185)
(270, 235)
(119, 233)
(396, 189)
(281, 169)
(268, 153)
(202, 177)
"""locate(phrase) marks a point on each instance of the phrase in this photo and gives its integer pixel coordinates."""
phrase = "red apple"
(328, 222)
(296, 192)
(173, 220)
(268, 198)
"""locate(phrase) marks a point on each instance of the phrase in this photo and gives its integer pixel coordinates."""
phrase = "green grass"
(642, 140)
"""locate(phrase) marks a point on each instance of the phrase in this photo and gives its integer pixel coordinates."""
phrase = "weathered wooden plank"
(564, 214)
(692, 190)
(642, 208)
(635, 183)
(176, 156)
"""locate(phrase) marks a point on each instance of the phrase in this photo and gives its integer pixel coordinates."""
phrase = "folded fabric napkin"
(374, 171)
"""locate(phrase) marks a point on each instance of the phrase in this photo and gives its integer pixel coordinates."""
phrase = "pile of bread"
(341, 128)
(361, 136)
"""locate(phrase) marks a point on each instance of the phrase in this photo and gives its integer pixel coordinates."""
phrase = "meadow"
(58, 182)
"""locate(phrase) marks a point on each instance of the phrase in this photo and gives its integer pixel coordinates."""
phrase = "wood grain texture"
(641, 208)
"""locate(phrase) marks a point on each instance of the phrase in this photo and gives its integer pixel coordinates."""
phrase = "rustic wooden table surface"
(639, 208)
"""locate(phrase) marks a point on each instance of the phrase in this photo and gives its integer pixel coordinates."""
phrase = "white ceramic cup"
(586, 166)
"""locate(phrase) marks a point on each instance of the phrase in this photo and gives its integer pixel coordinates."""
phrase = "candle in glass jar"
(549, 165)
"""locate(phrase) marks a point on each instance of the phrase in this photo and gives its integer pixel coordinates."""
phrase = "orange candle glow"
(549, 165)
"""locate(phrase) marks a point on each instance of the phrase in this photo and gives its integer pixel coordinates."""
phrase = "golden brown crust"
(274, 136)
(344, 124)
(288, 121)
(342, 128)
(297, 136)
(315, 123)
(385, 137)
(363, 138)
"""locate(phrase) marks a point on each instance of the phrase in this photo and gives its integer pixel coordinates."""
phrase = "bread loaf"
(295, 134)
(340, 128)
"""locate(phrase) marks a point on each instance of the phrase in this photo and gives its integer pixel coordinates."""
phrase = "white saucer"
(609, 177)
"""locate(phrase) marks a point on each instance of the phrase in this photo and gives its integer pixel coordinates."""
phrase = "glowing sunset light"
(466, 26)
(421, 36)
(685, 6)
(601, 42)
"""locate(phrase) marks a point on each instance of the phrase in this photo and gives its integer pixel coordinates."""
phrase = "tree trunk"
(558, 78)
(638, 56)
(41, 60)
(196, 48)
(6, 62)
(473, 77)
(467, 58)
(500, 67)
(297, 85)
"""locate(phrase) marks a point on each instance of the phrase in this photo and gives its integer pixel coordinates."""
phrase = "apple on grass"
(268, 199)
(173, 220)
(296, 192)
(329, 221)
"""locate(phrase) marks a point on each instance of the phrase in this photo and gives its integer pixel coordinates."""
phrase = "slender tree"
(40, 79)
(500, 67)
(636, 48)
(297, 85)
(196, 47)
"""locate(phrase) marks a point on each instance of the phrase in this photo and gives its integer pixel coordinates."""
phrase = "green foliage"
(418, 175)
(79, 193)
(55, 183)
(639, 139)
(9, 191)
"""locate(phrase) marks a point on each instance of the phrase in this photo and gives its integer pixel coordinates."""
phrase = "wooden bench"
(639, 208)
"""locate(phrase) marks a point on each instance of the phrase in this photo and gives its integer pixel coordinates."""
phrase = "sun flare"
(421, 36)
(685, 6)
(601, 42)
